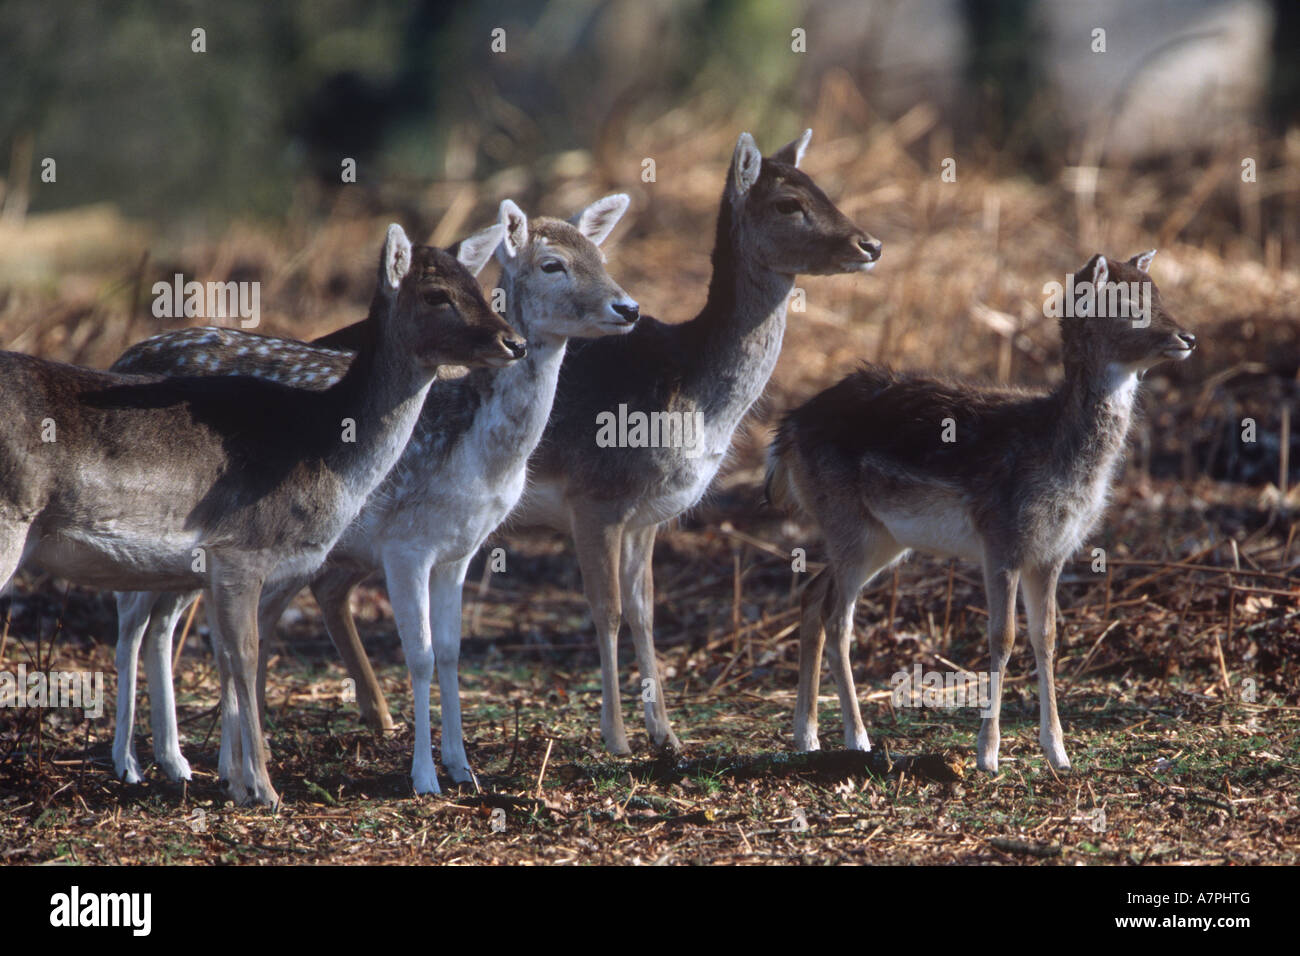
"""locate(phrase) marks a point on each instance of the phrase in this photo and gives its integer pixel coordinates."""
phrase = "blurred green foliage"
(285, 90)
(413, 90)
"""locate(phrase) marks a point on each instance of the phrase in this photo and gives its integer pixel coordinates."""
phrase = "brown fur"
(1019, 489)
(774, 222)
(257, 476)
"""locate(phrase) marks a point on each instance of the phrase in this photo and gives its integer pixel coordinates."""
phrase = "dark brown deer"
(700, 378)
(132, 482)
(886, 462)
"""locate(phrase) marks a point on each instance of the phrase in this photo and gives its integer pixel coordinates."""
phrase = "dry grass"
(1168, 766)
(1200, 597)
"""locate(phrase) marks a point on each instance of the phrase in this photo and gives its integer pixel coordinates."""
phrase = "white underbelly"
(447, 520)
(300, 565)
(542, 506)
(942, 527)
(117, 558)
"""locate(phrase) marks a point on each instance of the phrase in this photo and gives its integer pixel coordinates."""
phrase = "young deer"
(773, 223)
(149, 618)
(464, 468)
(1018, 483)
(140, 482)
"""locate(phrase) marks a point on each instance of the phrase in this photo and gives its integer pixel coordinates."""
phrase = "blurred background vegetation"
(411, 90)
(414, 91)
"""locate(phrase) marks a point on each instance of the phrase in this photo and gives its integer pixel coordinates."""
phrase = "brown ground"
(1178, 683)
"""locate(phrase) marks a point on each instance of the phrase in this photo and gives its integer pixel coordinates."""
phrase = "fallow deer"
(148, 619)
(773, 223)
(136, 482)
(463, 470)
(1018, 483)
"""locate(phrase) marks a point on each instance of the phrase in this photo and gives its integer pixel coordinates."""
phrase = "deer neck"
(1096, 403)
(737, 337)
(514, 402)
(523, 392)
(382, 394)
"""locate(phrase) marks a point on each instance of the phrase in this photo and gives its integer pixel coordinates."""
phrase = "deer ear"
(515, 230)
(792, 152)
(1096, 271)
(598, 220)
(746, 163)
(1143, 260)
(397, 256)
(474, 251)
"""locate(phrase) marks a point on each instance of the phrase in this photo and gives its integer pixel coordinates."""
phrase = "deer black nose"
(1188, 338)
(517, 347)
(870, 246)
(630, 313)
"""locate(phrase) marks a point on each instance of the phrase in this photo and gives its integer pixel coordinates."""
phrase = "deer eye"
(437, 297)
(552, 265)
(788, 206)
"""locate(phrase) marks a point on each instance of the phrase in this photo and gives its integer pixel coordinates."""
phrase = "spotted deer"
(461, 473)
(1017, 483)
(134, 482)
(773, 223)
(147, 619)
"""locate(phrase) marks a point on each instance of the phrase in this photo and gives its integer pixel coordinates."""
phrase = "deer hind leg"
(333, 591)
(167, 610)
(132, 620)
(599, 544)
(13, 544)
(812, 638)
(1000, 588)
(234, 618)
(637, 588)
(446, 585)
(14, 537)
(851, 569)
(1040, 612)
(232, 753)
(270, 610)
(408, 591)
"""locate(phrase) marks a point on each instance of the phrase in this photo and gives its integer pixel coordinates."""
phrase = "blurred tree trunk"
(1284, 78)
(1010, 109)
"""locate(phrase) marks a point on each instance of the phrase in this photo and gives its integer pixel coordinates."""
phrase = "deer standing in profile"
(461, 473)
(1019, 487)
(135, 482)
(773, 223)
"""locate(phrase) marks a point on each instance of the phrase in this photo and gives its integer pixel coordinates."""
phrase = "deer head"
(1119, 318)
(786, 220)
(438, 311)
(559, 270)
